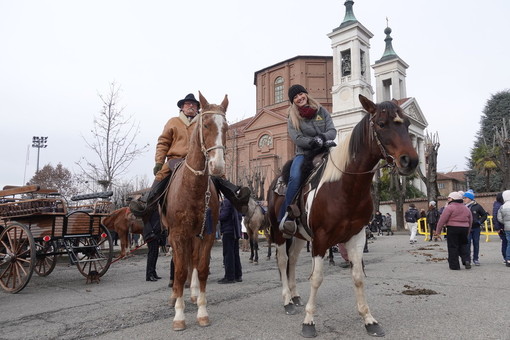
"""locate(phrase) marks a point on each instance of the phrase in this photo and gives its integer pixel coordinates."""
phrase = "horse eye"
(381, 124)
(206, 126)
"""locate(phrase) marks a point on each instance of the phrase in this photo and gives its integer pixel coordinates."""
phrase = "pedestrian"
(378, 222)
(311, 128)
(498, 226)
(152, 236)
(432, 218)
(479, 217)
(230, 220)
(504, 218)
(458, 219)
(412, 216)
(387, 223)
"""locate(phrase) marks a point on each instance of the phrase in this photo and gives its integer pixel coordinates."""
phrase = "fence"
(487, 229)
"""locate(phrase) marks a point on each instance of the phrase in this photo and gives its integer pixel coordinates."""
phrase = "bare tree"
(113, 142)
(430, 179)
(58, 178)
(502, 142)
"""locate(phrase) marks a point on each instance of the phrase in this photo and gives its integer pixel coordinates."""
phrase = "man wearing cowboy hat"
(172, 147)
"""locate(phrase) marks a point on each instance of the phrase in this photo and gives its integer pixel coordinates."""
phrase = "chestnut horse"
(123, 222)
(192, 207)
(255, 220)
(341, 205)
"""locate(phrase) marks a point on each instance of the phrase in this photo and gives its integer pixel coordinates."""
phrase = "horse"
(254, 220)
(123, 222)
(191, 208)
(338, 209)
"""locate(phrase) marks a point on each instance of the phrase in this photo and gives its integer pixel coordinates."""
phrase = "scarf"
(307, 112)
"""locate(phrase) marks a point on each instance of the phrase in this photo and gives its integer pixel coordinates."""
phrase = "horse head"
(212, 127)
(390, 128)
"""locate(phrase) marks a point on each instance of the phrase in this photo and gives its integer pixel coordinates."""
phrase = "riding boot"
(239, 196)
(147, 202)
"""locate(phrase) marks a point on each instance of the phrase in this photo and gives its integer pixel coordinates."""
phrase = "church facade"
(258, 147)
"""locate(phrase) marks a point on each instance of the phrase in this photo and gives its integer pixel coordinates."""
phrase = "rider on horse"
(172, 147)
(310, 127)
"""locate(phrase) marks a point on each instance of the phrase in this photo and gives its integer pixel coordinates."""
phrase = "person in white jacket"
(504, 218)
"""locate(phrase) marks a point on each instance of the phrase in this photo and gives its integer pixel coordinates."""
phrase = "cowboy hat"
(189, 98)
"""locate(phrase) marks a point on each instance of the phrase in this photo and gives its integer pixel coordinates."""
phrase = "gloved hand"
(329, 143)
(157, 167)
(316, 142)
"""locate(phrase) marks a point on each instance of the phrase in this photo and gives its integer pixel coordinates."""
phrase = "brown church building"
(258, 147)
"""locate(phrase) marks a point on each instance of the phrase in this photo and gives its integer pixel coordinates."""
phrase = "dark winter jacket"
(412, 215)
(230, 219)
(479, 214)
(495, 208)
(433, 216)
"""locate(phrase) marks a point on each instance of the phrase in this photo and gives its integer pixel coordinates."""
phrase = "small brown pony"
(123, 222)
(255, 220)
(340, 207)
(188, 198)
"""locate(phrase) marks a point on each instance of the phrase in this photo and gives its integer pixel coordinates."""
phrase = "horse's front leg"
(308, 330)
(294, 253)
(181, 272)
(252, 252)
(354, 249)
(282, 261)
(202, 275)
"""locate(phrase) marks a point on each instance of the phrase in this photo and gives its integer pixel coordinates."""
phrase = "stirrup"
(288, 228)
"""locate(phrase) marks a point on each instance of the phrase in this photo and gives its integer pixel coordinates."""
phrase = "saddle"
(312, 170)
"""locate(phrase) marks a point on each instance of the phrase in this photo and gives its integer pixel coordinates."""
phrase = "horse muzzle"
(406, 164)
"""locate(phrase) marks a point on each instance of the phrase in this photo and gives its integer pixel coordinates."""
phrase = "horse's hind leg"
(355, 253)
(295, 251)
(194, 286)
(252, 252)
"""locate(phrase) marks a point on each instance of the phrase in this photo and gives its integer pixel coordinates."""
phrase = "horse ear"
(224, 103)
(202, 100)
(367, 104)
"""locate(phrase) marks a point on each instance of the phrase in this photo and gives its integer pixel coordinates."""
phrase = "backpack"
(410, 215)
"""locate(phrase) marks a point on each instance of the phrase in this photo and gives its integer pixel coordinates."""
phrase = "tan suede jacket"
(174, 140)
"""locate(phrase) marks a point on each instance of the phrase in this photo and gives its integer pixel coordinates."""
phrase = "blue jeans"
(474, 236)
(293, 185)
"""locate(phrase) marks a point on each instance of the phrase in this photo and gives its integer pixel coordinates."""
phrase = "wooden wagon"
(37, 225)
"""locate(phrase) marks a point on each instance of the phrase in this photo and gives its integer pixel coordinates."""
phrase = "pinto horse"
(255, 220)
(123, 222)
(341, 205)
(191, 208)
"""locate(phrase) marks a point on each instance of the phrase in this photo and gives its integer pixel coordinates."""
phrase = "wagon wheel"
(45, 264)
(97, 258)
(17, 257)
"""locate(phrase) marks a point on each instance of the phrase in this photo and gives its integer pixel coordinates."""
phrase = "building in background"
(259, 146)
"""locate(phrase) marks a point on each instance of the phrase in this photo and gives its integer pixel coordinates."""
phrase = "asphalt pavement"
(409, 289)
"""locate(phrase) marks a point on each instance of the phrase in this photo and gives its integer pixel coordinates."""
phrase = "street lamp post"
(39, 142)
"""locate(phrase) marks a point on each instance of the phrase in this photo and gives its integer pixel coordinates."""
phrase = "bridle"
(389, 159)
(203, 148)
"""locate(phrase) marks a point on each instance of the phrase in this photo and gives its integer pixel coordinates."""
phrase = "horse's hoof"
(290, 309)
(172, 301)
(203, 321)
(256, 262)
(374, 329)
(250, 260)
(296, 300)
(308, 331)
(194, 300)
(179, 325)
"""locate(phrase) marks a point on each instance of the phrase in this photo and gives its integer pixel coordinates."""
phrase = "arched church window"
(265, 140)
(278, 90)
(346, 62)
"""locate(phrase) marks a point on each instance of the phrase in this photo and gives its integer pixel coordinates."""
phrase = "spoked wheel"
(95, 253)
(45, 263)
(17, 257)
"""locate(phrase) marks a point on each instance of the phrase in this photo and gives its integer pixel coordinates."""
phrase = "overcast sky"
(57, 56)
